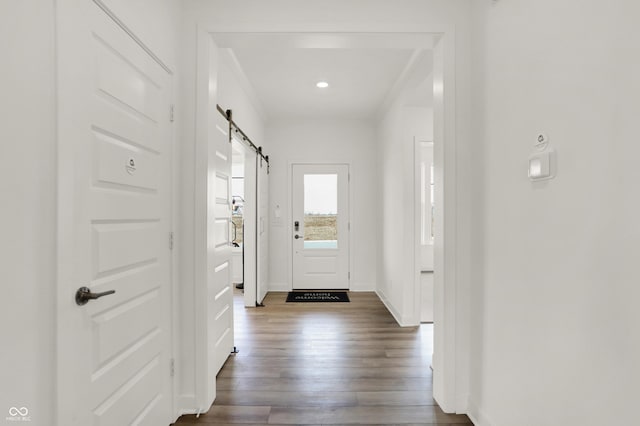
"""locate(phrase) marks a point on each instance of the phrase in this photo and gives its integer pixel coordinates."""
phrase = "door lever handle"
(83, 295)
(298, 236)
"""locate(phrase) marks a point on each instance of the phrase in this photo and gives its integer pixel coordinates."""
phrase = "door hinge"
(349, 226)
(170, 240)
(172, 367)
(171, 108)
(349, 275)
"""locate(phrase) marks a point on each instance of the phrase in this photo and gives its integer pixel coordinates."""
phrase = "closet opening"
(249, 210)
(243, 220)
(237, 215)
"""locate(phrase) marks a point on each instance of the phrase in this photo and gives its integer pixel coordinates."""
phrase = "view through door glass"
(321, 211)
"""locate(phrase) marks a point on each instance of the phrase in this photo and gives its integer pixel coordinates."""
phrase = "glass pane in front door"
(320, 211)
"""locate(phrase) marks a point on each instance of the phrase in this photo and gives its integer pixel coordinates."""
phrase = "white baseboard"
(462, 403)
(279, 287)
(410, 321)
(389, 306)
(477, 416)
(403, 321)
(362, 287)
(354, 287)
(186, 404)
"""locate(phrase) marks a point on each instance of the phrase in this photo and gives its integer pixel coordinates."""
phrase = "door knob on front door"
(83, 295)
(298, 236)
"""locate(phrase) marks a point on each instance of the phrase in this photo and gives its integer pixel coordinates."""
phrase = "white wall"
(395, 147)
(28, 188)
(231, 94)
(324, 141)
(557, 336)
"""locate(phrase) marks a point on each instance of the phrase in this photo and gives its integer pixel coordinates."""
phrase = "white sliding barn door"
(263, 230)
(249, 233)
(220, 235)
(114, 353)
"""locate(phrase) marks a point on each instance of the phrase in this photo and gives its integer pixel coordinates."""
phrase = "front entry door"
(114, 363)
(320, 213)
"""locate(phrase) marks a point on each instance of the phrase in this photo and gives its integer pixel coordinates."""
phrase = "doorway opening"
(243, 221)
(237, 215)
(447, 356)
(424, 186)
(249, 212)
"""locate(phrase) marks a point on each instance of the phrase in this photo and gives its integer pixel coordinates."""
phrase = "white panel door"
(263, 230)
(220, 235)
(320, 213)
(114, 352)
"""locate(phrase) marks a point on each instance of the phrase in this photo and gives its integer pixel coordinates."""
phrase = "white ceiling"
(285, 79)
(364, 71)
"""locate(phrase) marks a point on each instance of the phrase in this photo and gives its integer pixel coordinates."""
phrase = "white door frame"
(289, 219)
(207, 68)
(451, 338)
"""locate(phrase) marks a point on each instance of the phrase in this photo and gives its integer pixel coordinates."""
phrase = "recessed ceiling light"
(322, 84)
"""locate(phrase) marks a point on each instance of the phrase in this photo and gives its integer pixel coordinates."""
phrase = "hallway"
(325, 363)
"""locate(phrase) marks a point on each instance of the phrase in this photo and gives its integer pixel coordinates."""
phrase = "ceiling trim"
(263, 40)
(400, 83)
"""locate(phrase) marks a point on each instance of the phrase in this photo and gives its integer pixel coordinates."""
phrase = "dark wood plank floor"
(325, 363)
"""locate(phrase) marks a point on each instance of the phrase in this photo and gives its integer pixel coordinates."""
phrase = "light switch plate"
(542, 165)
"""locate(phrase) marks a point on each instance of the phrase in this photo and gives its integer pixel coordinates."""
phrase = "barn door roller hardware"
(233, 128)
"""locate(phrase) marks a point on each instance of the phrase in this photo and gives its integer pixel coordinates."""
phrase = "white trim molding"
(451, 351)
(477, 416)
(392, 310)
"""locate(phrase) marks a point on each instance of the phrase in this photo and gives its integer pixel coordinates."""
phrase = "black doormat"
(317, 296)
